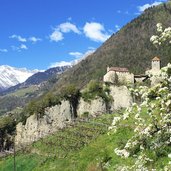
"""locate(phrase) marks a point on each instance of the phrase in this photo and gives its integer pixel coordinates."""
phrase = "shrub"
(72, 94)
(38, 106)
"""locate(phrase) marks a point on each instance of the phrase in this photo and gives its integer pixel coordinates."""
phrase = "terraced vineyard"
(77, 135)
(62, 148)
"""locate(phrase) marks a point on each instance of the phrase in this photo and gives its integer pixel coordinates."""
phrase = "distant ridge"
(38, 78)
(11, 76)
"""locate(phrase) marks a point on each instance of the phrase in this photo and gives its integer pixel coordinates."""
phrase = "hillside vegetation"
(137, 139)
(32, 88)
(130, 47)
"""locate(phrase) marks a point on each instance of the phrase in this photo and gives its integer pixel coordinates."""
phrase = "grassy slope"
(23, 92)
(19, 98)
(67, 150)
(117, 52)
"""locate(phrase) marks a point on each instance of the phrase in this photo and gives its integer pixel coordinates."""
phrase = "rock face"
(35, 128)
(121, 97)
(96, 106)
(57, 116)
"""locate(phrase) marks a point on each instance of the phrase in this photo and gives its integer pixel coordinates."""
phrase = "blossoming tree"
(151, 119)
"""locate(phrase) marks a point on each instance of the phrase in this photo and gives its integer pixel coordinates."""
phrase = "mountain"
(11, 76)
(32, 88)
(38, 78)
(44, 76)
(130, 47)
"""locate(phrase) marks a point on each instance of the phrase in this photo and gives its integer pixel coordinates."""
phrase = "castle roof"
(156, 58)
(118, 69)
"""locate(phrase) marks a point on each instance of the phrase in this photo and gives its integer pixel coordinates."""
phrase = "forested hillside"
(130, 47)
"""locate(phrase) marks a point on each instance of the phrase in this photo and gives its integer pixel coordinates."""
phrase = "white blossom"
(122, 153)
(154, 123)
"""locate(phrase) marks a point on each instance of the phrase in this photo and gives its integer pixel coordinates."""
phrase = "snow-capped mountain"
(37, 78)
(11, 76)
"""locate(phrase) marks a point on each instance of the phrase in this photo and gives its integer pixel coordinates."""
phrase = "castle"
(117, 75)
(155, 70)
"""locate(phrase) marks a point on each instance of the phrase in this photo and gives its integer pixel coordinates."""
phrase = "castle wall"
(155, 65)
(109, 77)
(125, 77)
(118, 77)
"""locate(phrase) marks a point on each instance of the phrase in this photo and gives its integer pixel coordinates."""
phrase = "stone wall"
(125, 77)
(110, 77)
(118, 77)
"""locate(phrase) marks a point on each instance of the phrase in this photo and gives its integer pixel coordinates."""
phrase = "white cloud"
(91, 48)
(34, 39)
(76, 54)
(137, 13)
(66, 27)
(56, 36)
(111, 31)
(145, 6)
(69, 18)
(14, 48)
(88, 52)
(74, 61)
(80, 56)
(19, 48)
(123, 12)
(19, 38)
(22, 46)
(59, 64)
(3, 50)
(96, 32)
(117, 27)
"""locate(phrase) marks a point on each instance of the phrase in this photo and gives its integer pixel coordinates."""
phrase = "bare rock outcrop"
(121, 97)
(35, 127)
(94, 107)
(58, 116)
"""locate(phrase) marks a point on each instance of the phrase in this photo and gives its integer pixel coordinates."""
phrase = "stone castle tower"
(155, 63)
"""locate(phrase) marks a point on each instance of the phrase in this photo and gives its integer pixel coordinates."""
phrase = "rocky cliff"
(94, 107)
(35, 127)
(121, 97)
(58, 116)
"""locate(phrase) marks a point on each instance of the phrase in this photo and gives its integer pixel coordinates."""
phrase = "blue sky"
(38, 34)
